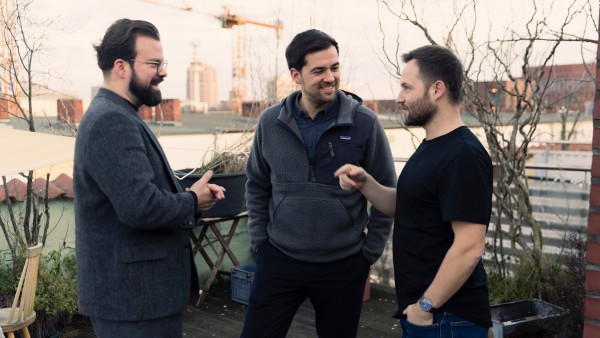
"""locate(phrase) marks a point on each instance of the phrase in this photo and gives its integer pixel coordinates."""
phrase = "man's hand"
(208, 194)
(351, 177)
(415, 315)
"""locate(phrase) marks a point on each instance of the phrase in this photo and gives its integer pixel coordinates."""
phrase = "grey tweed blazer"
(132, 246)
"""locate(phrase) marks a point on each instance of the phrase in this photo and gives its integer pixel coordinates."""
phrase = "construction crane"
(184, 6)
(233, 21)
(228, 21)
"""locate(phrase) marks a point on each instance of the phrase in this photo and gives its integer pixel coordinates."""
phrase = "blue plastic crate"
(241, 281)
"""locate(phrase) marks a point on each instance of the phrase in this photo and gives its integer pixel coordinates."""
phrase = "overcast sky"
(353, 23)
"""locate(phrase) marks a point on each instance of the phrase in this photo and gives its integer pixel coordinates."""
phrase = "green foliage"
(225, 162)
(57, 285)
(227, 158)
(56, 288)
(526, 282)
(569, 285)
(8, 282)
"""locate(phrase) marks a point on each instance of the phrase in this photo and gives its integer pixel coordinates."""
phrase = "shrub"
(56, 295)
(57, 285)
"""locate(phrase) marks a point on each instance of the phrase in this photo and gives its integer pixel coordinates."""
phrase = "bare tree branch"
(23, 41)
(493, 62)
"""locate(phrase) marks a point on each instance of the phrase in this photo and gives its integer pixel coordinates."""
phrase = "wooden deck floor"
(219, 316)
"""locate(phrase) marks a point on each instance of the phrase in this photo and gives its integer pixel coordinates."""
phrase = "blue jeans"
(445, 325)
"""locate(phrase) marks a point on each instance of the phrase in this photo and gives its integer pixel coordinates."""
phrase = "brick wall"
(591, 324)
(6, 109)
(69, 110)
(145, 113)
(171, 111)
(3, 110)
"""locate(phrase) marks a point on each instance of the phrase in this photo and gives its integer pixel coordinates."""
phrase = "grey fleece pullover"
(297, 204)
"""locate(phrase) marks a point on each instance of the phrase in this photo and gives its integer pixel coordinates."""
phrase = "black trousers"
(166, 327)
(281, 284)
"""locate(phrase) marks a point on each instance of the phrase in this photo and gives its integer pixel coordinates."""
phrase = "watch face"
(425, 304)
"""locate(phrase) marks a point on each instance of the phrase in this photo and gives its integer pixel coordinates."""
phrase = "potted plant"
(229, 167)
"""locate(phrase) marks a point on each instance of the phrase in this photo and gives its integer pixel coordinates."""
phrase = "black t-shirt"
(448, 178)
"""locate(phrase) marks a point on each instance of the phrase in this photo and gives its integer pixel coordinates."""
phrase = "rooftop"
(60, 187)
(219, 316)
(226, 122)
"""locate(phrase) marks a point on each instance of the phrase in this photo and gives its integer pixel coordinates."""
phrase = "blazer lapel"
(158, 148)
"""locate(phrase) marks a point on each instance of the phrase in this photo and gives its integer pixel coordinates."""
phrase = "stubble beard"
(320, 100)
(420, 112)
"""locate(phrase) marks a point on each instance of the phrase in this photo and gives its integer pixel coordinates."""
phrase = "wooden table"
(200, 242)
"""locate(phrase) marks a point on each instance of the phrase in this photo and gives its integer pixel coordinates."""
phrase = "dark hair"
(438, 63)
(307, 42)
(119, 41)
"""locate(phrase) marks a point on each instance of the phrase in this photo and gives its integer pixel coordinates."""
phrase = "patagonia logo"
(347, 138)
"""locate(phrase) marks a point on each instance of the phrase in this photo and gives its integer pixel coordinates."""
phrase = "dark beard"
(420, 112)
(145, 95)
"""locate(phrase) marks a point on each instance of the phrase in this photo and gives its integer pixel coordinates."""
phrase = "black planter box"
(527, 318)
(234, 183)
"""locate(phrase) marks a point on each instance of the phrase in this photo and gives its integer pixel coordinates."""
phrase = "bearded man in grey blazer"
(132, 216)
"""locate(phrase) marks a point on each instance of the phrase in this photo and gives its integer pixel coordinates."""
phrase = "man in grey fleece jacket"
(308, 233)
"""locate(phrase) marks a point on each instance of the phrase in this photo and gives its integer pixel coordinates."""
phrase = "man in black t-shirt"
(442, 205)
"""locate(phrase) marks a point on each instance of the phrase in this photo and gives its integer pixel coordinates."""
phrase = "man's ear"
(121, 68)
(296, 76)
(439, 89)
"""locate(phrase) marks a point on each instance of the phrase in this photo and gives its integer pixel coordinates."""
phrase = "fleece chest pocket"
(144, 253)
(335, 154)
(353, 153)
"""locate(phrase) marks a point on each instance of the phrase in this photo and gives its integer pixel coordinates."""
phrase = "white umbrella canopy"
(21, 151)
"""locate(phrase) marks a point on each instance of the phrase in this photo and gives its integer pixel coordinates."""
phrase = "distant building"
(168, 112)
(566, 88)
(492, 94)
(44, 101)
(7, 107)
(201, 86)
(569, 88)
(69, 111)
(254, 108)
(284, 86)
(382, 106)
(279, 88)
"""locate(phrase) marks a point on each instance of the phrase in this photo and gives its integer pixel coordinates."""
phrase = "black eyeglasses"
(160, 66)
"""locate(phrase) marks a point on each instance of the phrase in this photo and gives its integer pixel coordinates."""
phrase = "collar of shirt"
(331, 109)
(312, 129)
